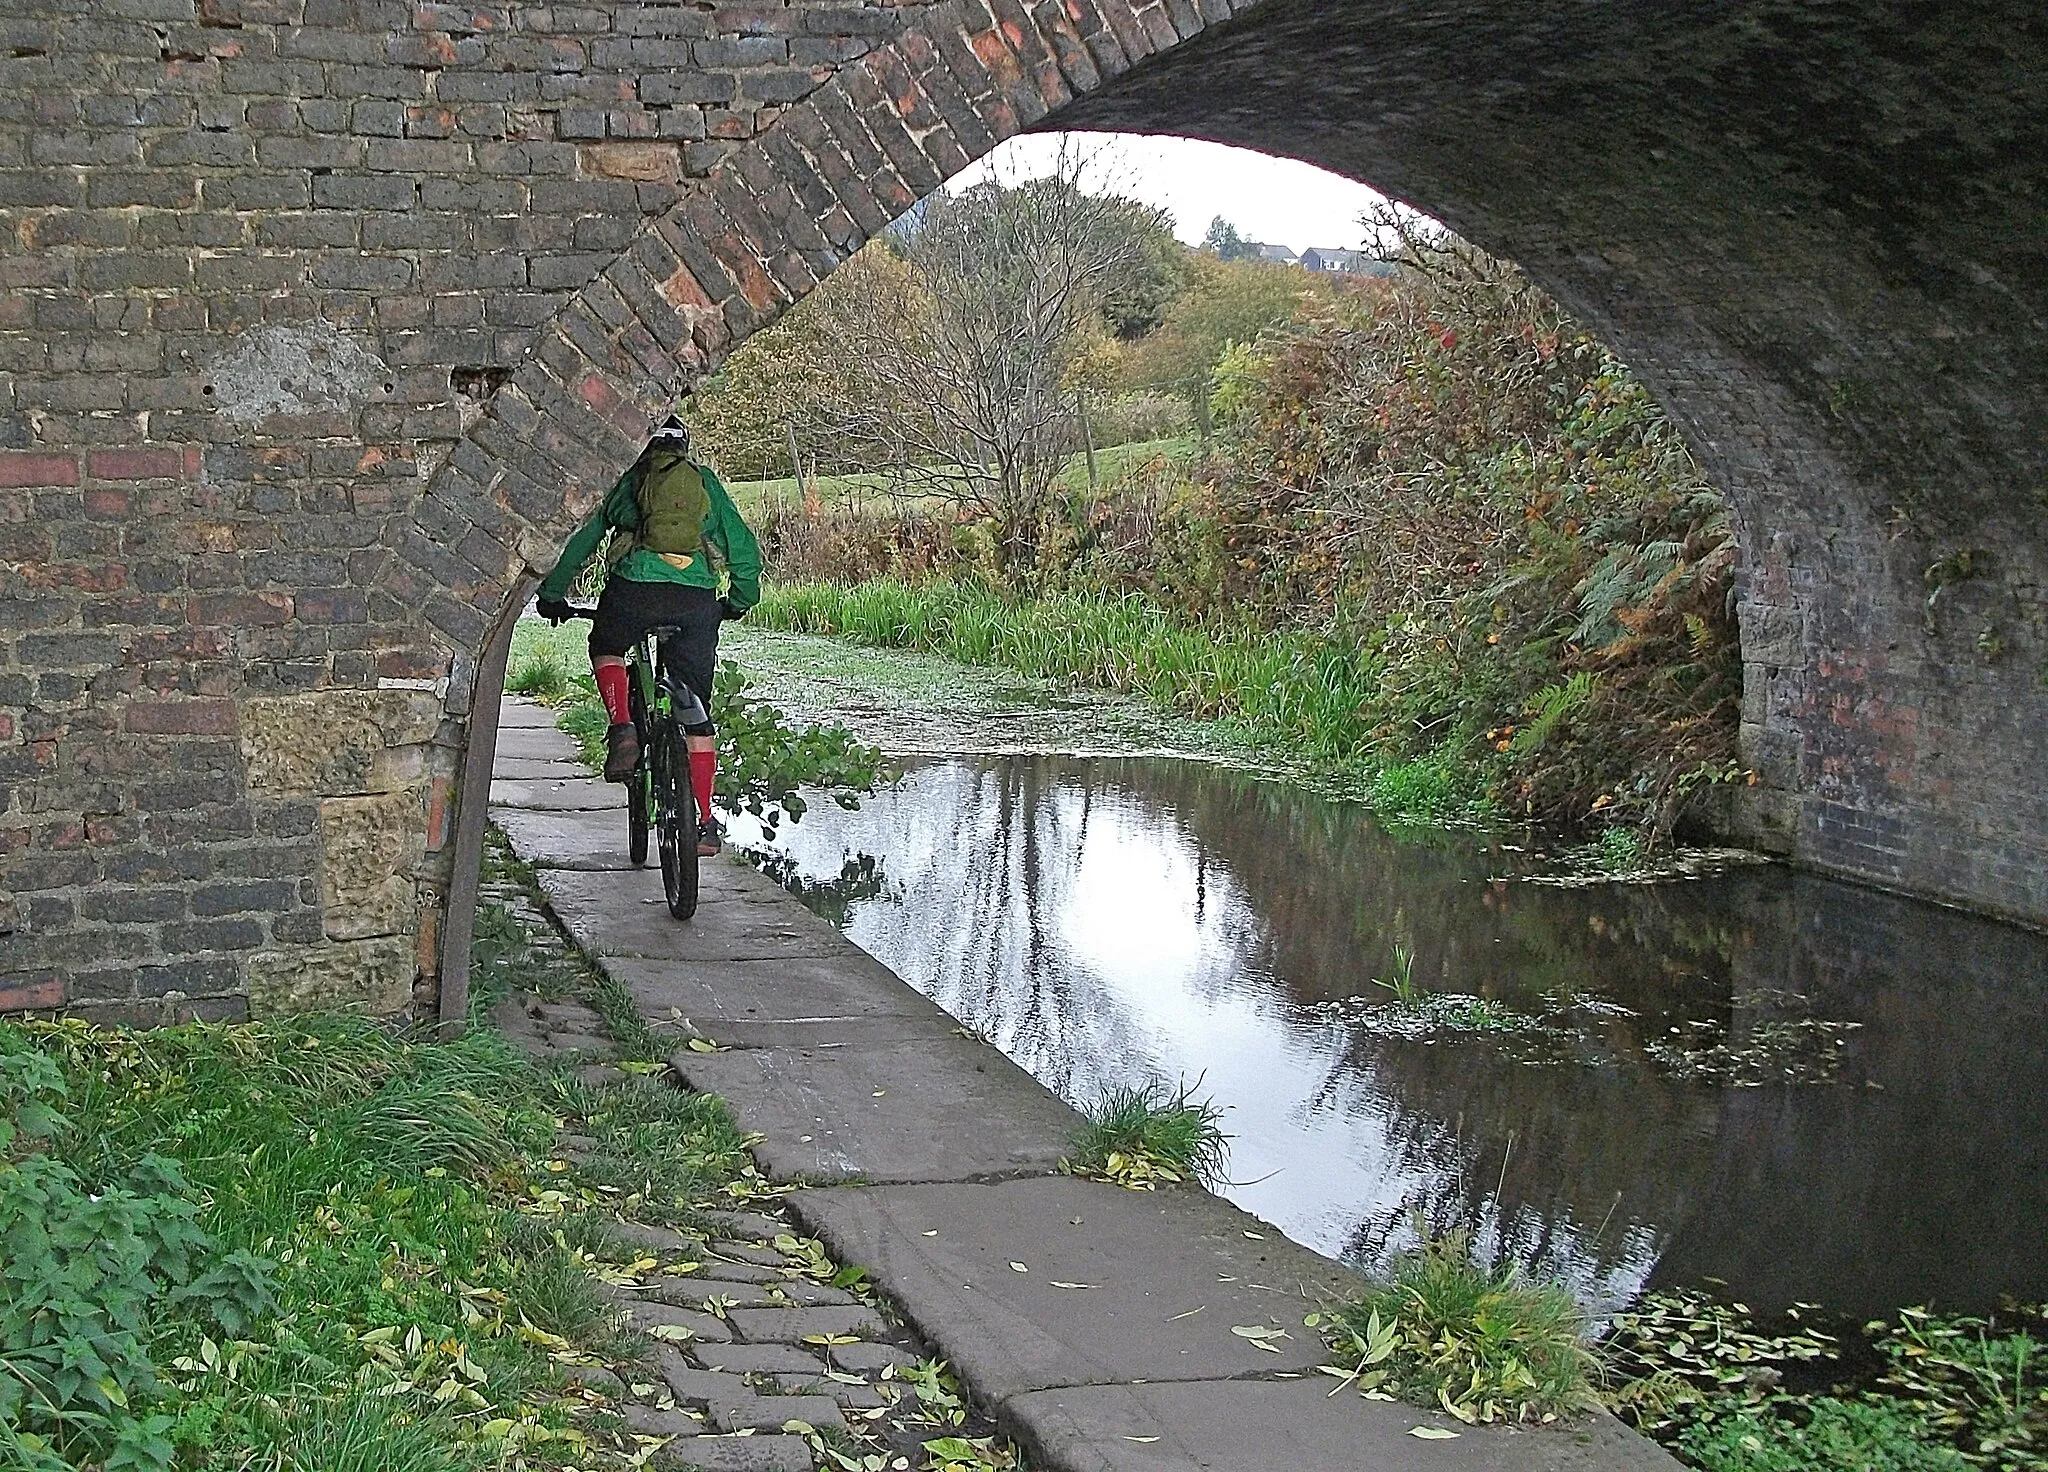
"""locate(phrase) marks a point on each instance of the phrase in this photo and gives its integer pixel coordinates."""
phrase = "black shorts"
(629, 609)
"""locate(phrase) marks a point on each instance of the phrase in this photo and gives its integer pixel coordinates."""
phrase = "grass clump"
(1483, 1343)
(1140, 1135)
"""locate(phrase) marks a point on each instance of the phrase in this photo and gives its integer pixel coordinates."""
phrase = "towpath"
(1096, 1324)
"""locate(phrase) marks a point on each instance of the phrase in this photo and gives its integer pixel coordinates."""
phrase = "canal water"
(1802, 1090)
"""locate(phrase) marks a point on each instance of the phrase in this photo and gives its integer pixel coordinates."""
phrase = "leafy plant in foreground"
(1481, 1342)
(84, 1275)
(1140, 1135)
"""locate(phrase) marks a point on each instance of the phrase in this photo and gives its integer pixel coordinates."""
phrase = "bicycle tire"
(639, 786)
(675, 809)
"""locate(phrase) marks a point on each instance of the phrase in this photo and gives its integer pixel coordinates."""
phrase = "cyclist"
(672, 523)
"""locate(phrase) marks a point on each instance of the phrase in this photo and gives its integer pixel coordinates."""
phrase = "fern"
(1549, 707)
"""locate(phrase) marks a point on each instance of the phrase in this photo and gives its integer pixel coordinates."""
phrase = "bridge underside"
(1821, 234)
(325, 320)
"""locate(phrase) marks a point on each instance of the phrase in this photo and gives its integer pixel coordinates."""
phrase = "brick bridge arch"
(325, 321)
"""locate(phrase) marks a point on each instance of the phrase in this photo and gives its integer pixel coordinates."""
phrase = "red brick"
(165, 463)
(36, 468)
(438, 809)
(108, 505)
(265, 610)
(32, 994)
(6, 726)
(182, 717)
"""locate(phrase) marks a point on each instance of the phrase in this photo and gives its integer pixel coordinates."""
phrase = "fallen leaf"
(1433, 1433)
(1018, 1267)
(1058, 1284)
(1141, 1438)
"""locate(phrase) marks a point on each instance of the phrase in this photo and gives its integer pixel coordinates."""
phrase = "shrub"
(84, 1276)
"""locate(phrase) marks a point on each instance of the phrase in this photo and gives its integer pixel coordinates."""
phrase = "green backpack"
(674, 505)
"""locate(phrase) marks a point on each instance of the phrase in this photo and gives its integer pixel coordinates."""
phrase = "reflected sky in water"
(1103, 921)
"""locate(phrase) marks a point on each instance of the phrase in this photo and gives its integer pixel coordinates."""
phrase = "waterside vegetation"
(1420, 533)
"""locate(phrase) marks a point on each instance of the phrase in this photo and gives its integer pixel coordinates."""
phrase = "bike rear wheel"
(640, 786)
(675, 815)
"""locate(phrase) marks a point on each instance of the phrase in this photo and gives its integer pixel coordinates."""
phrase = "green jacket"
(726, 533)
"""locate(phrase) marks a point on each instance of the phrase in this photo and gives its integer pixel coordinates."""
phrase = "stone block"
(373, 976)
(370, 850)
(773, 1412)
(333, 742)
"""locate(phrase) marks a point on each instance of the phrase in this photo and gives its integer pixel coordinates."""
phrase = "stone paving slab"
(622, 914)
(832, 1032)
(558, 795)
(535, 769)
(1170, 1273)
(792, 990)
(1136, 1372)
(1267, 1425)
(517, 714)
(928, 1109)
(718, 879)
(533, 744)
(584, 839)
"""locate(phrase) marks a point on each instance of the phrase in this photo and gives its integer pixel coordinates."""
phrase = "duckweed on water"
(1919, 1393)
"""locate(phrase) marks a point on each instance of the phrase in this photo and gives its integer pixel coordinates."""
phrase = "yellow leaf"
(1432, 1433)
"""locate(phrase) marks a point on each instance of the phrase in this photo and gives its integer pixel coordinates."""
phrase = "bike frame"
(661, 793)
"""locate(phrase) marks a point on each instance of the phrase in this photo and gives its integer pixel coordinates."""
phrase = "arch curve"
(243, 616)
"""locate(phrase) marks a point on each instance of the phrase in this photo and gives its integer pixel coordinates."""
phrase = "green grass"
(362, 1241)
(1113, 463)
(1481, 1342)
(1137, 1134)
(1308, 695)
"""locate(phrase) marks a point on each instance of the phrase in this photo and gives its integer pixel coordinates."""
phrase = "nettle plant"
(86, 1278)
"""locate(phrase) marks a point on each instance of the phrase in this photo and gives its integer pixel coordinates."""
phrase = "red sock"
(703, 776)
(611, 685)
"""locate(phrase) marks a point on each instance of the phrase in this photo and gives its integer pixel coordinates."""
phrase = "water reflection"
(1103, 919)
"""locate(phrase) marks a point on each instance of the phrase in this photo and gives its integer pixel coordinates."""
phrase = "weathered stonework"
(374, 976)
(370, 848)
(323, 321)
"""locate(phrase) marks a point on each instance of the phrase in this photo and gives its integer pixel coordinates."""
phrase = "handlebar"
(559, 612)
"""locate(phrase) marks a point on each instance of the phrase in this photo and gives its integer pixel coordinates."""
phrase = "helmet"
(673, 432)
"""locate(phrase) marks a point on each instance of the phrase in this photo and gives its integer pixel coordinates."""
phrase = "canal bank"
(1095, 1323)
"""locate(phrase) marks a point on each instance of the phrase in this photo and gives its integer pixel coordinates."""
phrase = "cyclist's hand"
(729, 609)
(554, 610)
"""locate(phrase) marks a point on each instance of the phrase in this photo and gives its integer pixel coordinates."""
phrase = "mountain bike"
(660, 800)
(659, 796)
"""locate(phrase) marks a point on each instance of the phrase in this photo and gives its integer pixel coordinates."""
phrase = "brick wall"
(323, 321)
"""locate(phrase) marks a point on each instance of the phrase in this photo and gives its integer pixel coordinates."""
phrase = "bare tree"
(955, 341)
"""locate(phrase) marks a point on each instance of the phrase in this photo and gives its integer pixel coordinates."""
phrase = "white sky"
(1269, 199)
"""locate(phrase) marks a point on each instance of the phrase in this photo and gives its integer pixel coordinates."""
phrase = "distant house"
(1278, 253)
(1344, 262)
